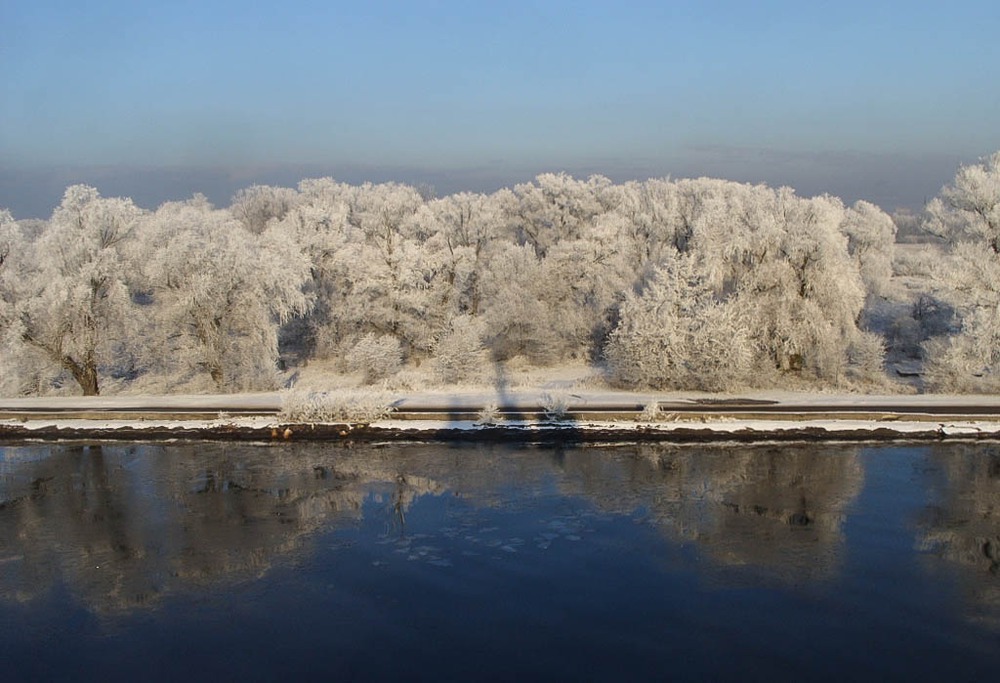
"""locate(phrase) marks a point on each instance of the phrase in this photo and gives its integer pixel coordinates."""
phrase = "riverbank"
(524, 415)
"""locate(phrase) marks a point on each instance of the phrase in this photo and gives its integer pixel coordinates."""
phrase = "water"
(431, 562)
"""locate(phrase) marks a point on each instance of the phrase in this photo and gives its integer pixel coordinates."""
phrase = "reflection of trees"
(69, 519)
(963, 526)
(778, 508)
(120, 526)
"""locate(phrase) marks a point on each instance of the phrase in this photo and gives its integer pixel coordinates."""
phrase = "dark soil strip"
(543, 433)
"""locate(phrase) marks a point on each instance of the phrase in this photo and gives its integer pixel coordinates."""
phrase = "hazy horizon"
(863, 101)
(891, 182)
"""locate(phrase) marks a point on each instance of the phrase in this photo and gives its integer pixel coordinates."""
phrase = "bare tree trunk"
(85, 374)
(216, 374)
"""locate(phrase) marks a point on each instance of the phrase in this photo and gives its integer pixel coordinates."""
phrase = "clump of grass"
(489, 415)
(650, 413)
(555, 406)
(361, 405)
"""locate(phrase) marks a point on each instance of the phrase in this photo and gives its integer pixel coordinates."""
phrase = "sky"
(157, 100)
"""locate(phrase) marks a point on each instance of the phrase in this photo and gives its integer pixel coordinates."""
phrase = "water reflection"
(121, 527)
(777, 509)
(961, 525)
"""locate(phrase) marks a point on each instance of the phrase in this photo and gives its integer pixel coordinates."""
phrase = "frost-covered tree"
(556, 207)
(467, 225)
(871, 240)
(969, 207)
(219, 293)
(782, 263)
(967, 214)
(677, 334)
(582, 282)
(385, 275)
(787, 260)
(70, 306)
(317, 223)
(804, 301)
(460, 355)
(257, 205)
(518, 321)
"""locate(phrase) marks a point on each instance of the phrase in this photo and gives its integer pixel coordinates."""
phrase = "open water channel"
(207, 561)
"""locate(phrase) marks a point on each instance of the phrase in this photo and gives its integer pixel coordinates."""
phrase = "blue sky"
(875, 100)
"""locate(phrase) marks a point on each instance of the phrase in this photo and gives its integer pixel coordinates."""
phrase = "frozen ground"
(524, 397)
(519, 386)
(753, 415)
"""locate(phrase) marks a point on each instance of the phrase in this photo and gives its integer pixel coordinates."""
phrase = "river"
(210, 561)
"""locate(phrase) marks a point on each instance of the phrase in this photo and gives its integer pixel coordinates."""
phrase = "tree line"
(692, 284)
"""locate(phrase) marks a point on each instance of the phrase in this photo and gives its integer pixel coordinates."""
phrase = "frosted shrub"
(866, 357)
(676, 335)
(334, 406)
(968, 361)
(377, 357)
(916, 260)
(460, 355)
(950, 368)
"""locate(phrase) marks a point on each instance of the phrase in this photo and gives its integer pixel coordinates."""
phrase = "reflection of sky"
(503, 90)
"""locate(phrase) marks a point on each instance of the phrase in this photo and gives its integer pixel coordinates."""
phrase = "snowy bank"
(526, 415)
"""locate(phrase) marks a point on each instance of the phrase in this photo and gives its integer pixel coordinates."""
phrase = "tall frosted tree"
(385, 269)
(70, 306)
(787, 260)
(219, 293)
(13, 379)
(967, 215)
(467, 226)
(317, 223)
